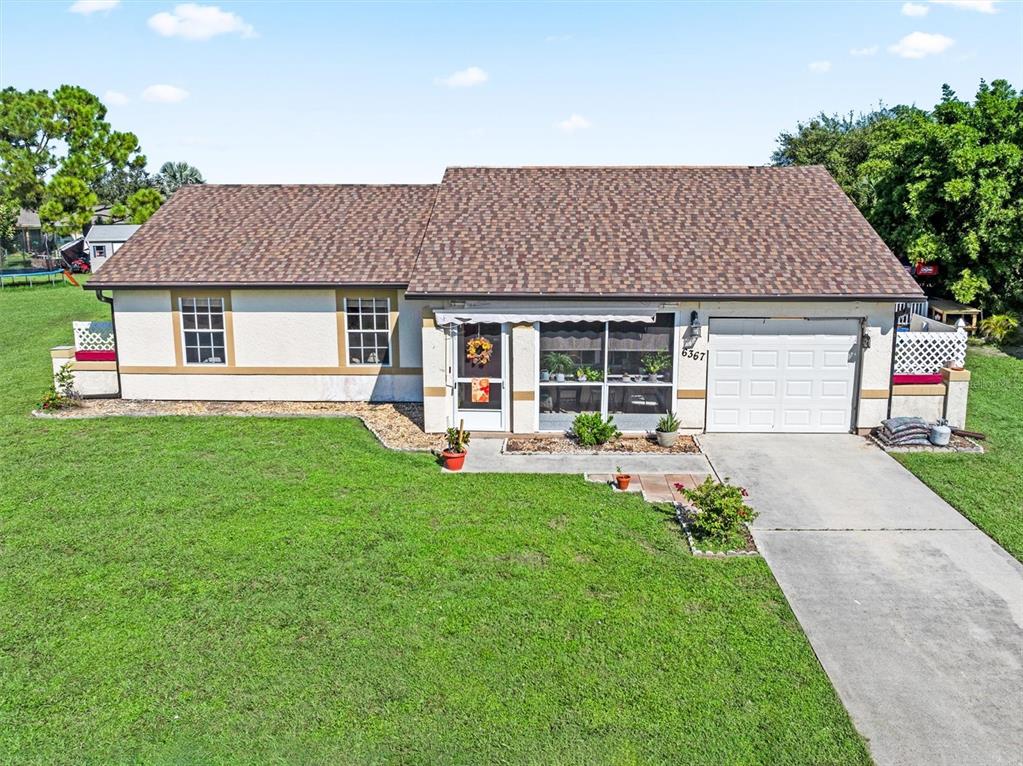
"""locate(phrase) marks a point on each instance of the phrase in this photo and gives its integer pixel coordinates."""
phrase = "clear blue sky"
(344, 92)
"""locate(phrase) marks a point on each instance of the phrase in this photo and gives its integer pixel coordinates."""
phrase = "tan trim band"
(435, 391)
(94, 366)
(921, 389)
(874, 393)
(62, 352)
(690, 393)
(523, 396)
(223, 369)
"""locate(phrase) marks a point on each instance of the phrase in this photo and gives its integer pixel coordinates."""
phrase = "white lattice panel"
(94, 336)
(925, 353)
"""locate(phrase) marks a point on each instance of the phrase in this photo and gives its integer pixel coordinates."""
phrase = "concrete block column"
(437, 392)
(524, 377)
(957, 383)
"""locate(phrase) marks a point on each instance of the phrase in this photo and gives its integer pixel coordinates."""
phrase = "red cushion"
(901, 380)
(95, 356)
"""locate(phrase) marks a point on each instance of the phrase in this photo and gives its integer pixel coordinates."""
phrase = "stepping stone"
(655, 488)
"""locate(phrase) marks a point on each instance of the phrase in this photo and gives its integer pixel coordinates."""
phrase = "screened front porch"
(623, 369)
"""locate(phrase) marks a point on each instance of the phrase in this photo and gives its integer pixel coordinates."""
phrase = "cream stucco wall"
(927, 407)
(524, 374)
(145, 333)
(285, 328)
(299, 388)
(282, 345)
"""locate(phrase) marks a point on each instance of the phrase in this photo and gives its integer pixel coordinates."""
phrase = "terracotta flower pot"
(453, 461)
(622, 481)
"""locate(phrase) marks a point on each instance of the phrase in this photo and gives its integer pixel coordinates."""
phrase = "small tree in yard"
(62, 393)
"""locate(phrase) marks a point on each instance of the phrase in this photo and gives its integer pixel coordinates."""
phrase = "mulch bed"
(398, 426)
(956, 443)
(544, 445)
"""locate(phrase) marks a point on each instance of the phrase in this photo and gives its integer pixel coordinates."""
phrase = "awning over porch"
(492, 314)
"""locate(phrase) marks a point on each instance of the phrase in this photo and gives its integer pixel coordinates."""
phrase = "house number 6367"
(697, 355)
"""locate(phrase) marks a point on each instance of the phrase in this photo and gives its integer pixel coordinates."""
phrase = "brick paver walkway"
(656, 487)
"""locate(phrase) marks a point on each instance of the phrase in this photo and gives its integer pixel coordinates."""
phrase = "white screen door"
(481, 395)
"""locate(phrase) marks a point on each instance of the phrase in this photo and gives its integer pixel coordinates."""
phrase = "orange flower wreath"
(478, 351)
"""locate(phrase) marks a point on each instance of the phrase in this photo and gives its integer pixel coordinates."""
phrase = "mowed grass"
(987, 489)
(240, 590)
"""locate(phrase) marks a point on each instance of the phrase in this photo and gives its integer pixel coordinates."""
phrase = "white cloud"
(980, 6)
(573, 123)
(916, 45)
(199, 22)
(464, 78)
(165, 94)
(85, 7)
(115, 98)
(820, 67)
(915, 9)
(868, 50)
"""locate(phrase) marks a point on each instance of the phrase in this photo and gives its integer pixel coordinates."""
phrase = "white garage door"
(781, 375)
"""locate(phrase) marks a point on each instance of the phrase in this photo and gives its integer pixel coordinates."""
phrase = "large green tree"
(55, 149)
(943, 186)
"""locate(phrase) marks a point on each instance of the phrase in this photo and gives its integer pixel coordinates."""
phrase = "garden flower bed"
(542, 445)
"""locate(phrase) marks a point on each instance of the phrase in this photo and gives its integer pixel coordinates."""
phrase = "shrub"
(589, 429)
(999, 327)
(720, 510)
(62, 392)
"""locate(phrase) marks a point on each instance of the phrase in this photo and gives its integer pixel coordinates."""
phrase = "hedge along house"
(745, 299)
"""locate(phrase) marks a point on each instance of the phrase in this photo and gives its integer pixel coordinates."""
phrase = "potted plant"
(667, 430)
(654, 363)
(458, 446)
(580, 374)
(558, 363)
(622, 479)
(545, 375)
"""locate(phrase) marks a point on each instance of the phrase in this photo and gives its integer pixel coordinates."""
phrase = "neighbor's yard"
(245, 590)
(987, 489)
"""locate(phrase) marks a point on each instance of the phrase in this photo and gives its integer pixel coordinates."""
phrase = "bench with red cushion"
(95, 356)
(911, 380)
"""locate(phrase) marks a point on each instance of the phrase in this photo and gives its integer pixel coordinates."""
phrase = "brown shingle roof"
(287, 235)
(652, 232)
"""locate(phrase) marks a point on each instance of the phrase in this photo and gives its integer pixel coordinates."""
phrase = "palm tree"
(174, 175)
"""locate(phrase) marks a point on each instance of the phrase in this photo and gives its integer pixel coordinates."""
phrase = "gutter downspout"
(113, 326)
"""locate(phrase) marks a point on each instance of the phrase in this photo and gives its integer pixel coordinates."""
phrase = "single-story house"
(105, 239)
(742, 298)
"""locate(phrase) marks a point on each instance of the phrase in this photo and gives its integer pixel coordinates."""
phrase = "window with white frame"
(202, 327)
(368, 326)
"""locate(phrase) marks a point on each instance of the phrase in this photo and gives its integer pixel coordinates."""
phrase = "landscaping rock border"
(683, 522)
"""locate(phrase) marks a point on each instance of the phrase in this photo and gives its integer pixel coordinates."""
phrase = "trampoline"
(27, 275)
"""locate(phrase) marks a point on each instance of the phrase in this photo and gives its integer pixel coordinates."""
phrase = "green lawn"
(987, 489)
(239, 590)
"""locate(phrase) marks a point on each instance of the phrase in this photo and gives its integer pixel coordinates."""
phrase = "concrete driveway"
(915, 614)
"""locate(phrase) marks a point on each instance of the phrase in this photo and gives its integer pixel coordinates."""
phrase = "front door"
(481, 396)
